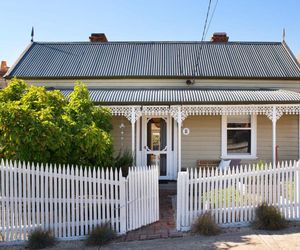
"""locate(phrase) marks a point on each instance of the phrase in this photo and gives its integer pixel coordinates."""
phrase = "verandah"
(180, 112)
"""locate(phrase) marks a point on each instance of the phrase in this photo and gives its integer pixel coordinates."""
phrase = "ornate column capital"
(178, 113)
(132, 113)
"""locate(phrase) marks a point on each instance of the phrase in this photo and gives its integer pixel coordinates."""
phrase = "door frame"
(141, 142)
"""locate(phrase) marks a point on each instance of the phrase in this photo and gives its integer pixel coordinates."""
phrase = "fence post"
(123, 205)
(156, 182)
(297, 187)
(181, 206)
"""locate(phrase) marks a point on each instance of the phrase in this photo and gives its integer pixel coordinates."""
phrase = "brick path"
(165, 227)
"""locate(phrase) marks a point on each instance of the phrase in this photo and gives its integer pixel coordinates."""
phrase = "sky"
(145, 20)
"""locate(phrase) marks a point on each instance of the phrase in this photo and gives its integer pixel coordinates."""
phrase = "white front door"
(158, 144)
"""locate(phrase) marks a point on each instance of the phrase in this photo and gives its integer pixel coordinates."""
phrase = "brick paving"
(166, 226)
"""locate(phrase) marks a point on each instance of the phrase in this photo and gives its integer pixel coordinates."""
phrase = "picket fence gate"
(72, 200)
(233, 195)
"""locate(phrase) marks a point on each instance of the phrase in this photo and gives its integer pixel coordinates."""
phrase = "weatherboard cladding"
(157, 60)
(189, 96)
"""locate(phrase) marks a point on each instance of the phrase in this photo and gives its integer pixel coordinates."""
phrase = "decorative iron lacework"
(180, 113)
(155, 110)
(132, 113)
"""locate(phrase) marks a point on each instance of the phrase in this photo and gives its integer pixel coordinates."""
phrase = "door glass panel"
(160, 160)
(156, 134)
(152, 160)
(163, 164)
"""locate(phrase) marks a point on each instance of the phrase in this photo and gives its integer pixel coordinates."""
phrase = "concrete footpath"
(236, 238)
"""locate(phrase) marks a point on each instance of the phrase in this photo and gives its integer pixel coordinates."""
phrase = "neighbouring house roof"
(190, 96)
(86, 60)
(3, 68)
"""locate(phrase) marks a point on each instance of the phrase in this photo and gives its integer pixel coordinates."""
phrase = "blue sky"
(144, 20)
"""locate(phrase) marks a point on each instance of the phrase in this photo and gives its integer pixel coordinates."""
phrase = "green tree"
(43, 126)
(90, 128)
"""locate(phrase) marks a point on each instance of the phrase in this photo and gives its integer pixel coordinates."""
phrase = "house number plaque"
(186, 131)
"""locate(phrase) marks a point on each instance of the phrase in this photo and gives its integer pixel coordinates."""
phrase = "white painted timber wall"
(71, 201)
(233, 195)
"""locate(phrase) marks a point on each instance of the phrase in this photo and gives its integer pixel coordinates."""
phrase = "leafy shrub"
(206, 225)
(40, 125)
(269, 217)
(124, 160)
(261, 165)
(39, 238)
(100, 235)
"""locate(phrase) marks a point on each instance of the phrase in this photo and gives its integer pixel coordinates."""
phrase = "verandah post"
(133, 133)
(179, 138)
(274, 121)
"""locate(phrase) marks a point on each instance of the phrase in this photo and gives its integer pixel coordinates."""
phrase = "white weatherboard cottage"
(175, 103)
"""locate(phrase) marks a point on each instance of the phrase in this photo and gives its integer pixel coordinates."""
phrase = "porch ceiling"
(190, 96)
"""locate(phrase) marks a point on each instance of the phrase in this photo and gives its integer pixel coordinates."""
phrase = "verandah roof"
(190, 96)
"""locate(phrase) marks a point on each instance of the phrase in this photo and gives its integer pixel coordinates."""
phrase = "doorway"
(158, 144)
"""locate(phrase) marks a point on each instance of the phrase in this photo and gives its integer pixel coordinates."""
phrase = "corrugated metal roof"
(80, 60)
(190, 96)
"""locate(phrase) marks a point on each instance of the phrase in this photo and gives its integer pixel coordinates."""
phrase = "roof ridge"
(179, 89)
(155, 42)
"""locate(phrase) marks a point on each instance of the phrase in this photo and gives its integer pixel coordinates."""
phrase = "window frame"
(253, 128)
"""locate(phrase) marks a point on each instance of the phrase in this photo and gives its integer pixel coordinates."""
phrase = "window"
(239, 136)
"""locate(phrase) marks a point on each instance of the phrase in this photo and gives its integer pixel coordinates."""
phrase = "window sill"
(243, 157)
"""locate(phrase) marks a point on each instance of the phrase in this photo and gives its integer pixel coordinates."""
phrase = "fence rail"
(233, 195)
(71, 201)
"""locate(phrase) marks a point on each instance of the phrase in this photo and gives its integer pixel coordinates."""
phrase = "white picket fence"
(142, 194)
(233, 195)
(71, 201)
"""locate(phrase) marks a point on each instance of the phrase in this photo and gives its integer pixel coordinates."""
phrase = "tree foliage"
(43, 126)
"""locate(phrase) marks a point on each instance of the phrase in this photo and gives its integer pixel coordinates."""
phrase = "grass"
(101, 235)
(224, 196)
(205, 225)
(39, 238)
(269, 218)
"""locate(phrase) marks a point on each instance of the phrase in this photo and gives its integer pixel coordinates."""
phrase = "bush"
(100, 235)
(40, 125)
(39, 238)
(269, 218)
(206, 225)
(261, 165)
(124, 160)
